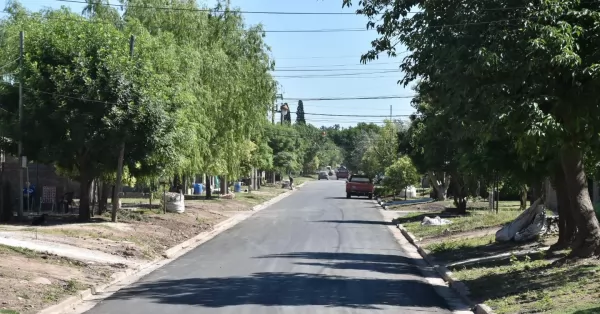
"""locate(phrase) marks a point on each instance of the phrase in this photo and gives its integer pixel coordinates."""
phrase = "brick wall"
(40, 175)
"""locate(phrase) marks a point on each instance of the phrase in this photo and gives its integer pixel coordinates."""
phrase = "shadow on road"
(284, 289)
(358, 222)
(299, 288)
(382, 263)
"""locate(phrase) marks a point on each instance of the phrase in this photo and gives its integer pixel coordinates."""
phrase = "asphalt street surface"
(313, 252)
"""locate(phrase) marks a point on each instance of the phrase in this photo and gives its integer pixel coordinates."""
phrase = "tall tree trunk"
(103, 200)
(439, 184)
(93, 194)
(208, 187)
(536, 191)
(566, 224)
(7, 210)
(84, 198)
(588, 229)
(523, 200)
(460, 197)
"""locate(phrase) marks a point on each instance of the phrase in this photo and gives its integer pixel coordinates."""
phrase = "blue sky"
(338, 51)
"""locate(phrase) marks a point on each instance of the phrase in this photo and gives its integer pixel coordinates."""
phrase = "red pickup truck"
(359, 185)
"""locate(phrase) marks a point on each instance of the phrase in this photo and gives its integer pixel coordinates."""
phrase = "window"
(360, 180)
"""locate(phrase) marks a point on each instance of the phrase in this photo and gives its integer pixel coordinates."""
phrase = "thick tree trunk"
(6, 214)
(588, 230)
(103, 200)
(460, 197)
(440, 185)
(566, 224)
(536, 191)
(523, 200)
(84, 199)
(461, 204)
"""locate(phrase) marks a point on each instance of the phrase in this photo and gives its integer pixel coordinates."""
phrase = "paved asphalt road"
(313, 252)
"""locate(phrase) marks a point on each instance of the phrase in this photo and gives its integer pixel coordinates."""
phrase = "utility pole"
(390, 112)
(280, 96)
(115, 199)
(20, 145)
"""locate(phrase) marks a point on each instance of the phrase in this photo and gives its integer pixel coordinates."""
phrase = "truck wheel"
(348, 195)
(370, 196)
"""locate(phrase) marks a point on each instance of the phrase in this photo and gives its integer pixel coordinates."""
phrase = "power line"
(332, 70)
(81, 98)
(274, 12)
(349, 98)
(331, 65)
(217, 11)
(355, 115)
(341, 74)
(332, 77)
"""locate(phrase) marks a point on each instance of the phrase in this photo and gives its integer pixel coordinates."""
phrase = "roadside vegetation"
(506, 110)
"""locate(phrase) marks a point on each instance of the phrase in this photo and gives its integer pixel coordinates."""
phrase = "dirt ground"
(42, 265)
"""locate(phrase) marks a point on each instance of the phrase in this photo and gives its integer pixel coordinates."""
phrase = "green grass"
(533, 286)
(455, 250)
(475, 219)
(459, 249)
(8, 312)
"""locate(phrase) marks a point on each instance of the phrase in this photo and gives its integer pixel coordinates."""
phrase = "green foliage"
(401, 174)
(190, 100)
(300, 113)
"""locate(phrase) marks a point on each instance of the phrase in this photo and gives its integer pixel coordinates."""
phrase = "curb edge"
(459, 287)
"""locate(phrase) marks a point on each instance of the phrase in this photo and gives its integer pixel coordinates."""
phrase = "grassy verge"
(525, 284)
(474, 219)
(534, 286)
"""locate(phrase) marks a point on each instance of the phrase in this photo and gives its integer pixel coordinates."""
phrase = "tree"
(192, 73)
(353, 141)
(468, 55)
(401, 174)
(300, 113)
(78, 106)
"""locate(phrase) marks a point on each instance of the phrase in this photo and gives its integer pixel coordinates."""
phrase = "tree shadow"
(358, 222)
(382, 263)
(595, 310)
(515, 282)
(333, 256)
(284, 289)
(54, 220)
(299, 288)
(464, 252)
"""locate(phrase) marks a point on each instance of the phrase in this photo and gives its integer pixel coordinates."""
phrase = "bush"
(383, 191)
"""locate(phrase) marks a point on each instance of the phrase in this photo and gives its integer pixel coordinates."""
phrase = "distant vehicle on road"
(342, 173)
(360, 185)
(323, 175)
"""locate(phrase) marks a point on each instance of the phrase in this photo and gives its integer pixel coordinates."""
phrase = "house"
(40, 175)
